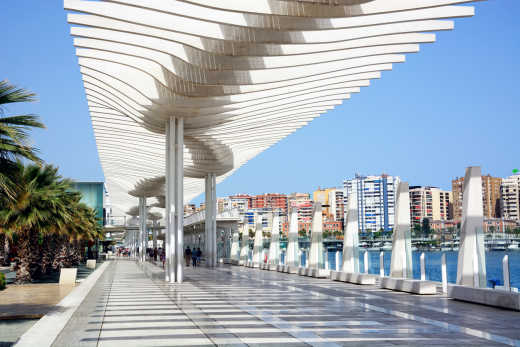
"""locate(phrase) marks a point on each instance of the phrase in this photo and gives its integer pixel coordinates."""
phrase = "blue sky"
(452, 105)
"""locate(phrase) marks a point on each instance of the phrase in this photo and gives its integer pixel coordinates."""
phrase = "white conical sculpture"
(351, 237)
(258, 246)
(244, 252)
(316, 254)
(235, 246)
(471, 267)
(401, 262)
(293, 259)
(274, 247)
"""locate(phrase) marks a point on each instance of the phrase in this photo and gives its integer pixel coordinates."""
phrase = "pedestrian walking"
(194, 258)
(187, 256)
(163, 256)
(199, 254)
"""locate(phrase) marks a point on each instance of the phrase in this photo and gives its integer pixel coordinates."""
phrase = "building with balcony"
(376, 200)
(510, 197)
(429, 202)
(490, 196)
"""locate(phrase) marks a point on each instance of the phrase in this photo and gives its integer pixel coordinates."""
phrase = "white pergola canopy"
(243, 74)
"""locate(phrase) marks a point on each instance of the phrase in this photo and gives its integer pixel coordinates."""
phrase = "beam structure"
(242, 74)
(182, 93)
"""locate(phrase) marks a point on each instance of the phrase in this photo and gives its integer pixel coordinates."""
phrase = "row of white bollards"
(444, 272)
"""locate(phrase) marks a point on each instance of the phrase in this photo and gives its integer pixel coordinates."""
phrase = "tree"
(426, 227)
(47, 220)
(14, 138)
(416, 230)
(39, 207)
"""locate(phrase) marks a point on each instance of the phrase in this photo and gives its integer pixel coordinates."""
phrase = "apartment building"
(376, 200)
(272, 201)
(490, 196)
(429, 202)
(510, 197)
(332, 203)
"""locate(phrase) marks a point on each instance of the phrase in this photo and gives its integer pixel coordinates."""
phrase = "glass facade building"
(92, 195)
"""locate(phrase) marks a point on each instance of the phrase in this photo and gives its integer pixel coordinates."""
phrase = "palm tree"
(14, 137)
(39, 208)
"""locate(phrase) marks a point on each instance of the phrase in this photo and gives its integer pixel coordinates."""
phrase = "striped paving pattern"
(240, 306)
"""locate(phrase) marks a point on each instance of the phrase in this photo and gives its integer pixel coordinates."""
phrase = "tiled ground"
(30, 300)
(241, 306)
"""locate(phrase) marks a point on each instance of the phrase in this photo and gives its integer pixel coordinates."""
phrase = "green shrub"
(3, 282)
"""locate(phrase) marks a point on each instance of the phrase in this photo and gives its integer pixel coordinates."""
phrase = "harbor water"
(433, 265)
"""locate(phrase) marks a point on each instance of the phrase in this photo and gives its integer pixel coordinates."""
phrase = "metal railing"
(226, 215)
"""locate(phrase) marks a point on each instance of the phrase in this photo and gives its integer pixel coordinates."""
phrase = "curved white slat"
(242, 74)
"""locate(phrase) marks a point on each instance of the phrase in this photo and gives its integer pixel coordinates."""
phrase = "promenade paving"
(132, 306)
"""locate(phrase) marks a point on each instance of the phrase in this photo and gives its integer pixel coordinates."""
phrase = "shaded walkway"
(241, 306)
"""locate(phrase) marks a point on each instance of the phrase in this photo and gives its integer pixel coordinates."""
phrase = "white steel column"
(179, 197)
(154, 235)
(170, 238)
(143, 235)
(211, 220)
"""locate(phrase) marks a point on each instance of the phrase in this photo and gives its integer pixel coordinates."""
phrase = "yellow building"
(327, 198)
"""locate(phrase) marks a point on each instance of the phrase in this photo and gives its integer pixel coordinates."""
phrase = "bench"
(409, 285)
(353, 277)
(485, 296)
(313, 272)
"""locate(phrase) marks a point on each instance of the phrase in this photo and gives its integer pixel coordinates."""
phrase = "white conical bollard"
(244, 252)
(471, 267)
(258, 245)
(315, 260)
(401, 260)
(274, 247)
(235, 246)
(292, 242)
(351, 237)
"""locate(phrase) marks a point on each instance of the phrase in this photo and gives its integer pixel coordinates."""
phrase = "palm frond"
(11, 94)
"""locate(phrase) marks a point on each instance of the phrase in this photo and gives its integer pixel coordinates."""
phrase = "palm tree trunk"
(48, 253)
(28, 254)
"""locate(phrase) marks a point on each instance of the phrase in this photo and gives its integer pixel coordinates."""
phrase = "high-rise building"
(327, 198)
(294, 199)
(242, 201)
(490, 196)
(270, 201)
(338, 205)
(376, 200)
(510, 197)
(429, 202)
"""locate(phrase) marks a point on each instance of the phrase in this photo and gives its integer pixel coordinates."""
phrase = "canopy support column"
(211, 220)
(179, 197)
(143, 234)
(170, 239)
